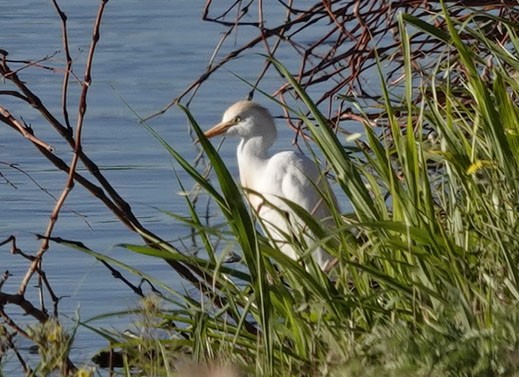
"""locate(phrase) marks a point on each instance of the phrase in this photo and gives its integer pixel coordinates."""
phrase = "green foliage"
(442, 348)
(426, 275)
(53, 344)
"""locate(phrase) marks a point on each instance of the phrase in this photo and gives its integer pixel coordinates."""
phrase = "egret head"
(247, 120)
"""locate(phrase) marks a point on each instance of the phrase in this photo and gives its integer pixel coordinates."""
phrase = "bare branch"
(6, 117)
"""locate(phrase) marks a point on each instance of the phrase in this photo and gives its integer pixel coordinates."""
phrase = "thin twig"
(75, 158)
(6, 117)
(68, 69)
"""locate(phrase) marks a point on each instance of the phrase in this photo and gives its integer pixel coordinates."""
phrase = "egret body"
(268, 178)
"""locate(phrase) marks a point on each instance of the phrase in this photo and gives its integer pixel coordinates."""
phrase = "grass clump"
(443, 348)
(426, 277)
(53, 344)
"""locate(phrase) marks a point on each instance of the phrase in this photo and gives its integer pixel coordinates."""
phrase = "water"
(148, 53)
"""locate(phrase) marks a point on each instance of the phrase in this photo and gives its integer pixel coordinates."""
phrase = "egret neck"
(272, 179)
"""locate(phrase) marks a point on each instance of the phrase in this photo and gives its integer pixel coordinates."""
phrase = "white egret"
(268, 178)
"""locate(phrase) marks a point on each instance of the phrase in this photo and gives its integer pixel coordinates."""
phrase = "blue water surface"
(148, 53)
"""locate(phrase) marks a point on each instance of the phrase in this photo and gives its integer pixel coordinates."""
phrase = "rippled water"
(148, 53)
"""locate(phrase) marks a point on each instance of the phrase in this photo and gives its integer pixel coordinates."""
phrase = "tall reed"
(426, 275)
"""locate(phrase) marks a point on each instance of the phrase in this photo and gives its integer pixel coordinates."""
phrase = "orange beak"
(219, 129)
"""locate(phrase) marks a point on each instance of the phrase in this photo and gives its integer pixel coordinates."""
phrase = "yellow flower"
(478, 165)
(54, 333)
(83, 372)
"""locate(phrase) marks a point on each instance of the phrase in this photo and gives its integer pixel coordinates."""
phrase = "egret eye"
(237, 120)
